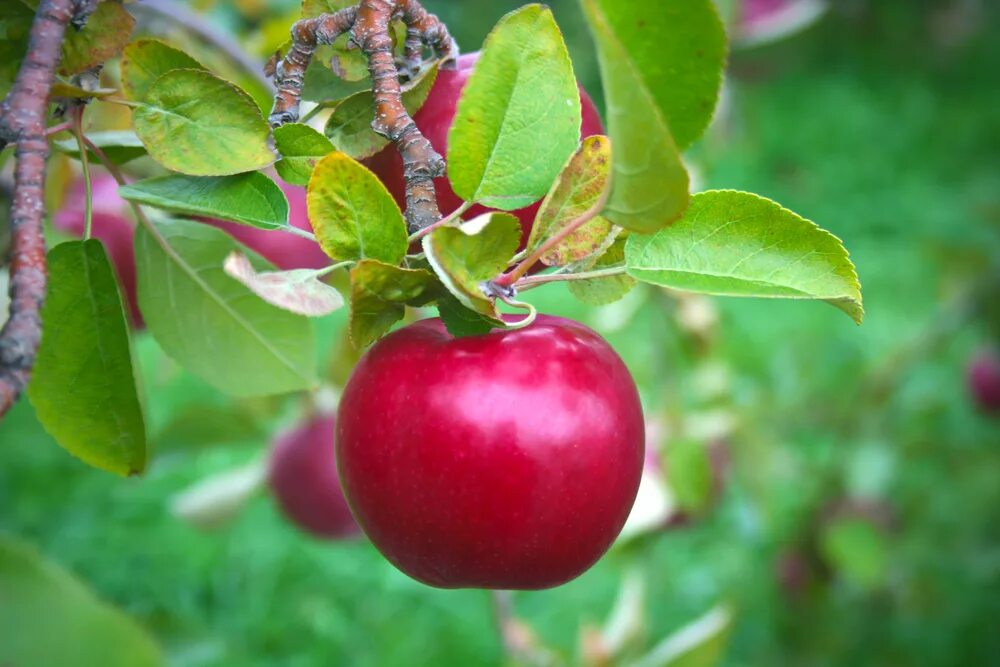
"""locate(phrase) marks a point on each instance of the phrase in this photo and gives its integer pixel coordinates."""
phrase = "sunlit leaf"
(581, 187)
(465, 256)
(196, 123)
(301, 147)
(49, 619)
(649, 182)
(738, 244)
(216, 500)
(858, 551)
(251, 199)
(518, 119)
(353, 215)
(298, 291)
(212, 325)
(146, 60)
(689, 474)
(83, 387)
(379, 293)
(63, 89)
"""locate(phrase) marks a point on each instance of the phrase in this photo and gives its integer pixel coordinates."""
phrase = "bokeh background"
(858, 515)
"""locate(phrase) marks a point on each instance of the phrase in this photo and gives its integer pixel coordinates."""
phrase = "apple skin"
(434, 120)
(508, 460)
(112, 226)
(303, 479)
(983, 378)
(286, 251)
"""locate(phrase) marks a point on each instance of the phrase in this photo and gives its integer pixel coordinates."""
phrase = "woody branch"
(23, 121)
(369, 26)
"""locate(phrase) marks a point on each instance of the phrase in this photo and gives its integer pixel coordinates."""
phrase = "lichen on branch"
(23, 120)
(369, 24)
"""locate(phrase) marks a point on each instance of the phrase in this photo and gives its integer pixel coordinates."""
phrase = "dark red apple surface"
(303, 479)
(111, 225)
(508, 460)
(984, 380)
(434, 120)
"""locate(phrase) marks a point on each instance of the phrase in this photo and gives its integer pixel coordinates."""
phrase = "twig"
(369, 25)
(22, 120)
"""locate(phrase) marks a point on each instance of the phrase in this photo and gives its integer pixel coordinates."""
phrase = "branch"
(369, 24)
(23, 119)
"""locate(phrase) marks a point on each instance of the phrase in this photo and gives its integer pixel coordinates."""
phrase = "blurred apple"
(983, 377)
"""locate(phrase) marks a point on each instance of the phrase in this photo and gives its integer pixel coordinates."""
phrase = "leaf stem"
(319, 273)
(292, 229)
(88, 198)
(534, 281)
(534, 257)
(443, 222)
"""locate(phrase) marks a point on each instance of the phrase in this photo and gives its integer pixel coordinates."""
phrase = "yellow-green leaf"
(107, 32)
(301, 147)
(146, 60)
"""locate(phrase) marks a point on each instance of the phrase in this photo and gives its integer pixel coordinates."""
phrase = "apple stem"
(369, 24)
(527, 319)
(23, 120)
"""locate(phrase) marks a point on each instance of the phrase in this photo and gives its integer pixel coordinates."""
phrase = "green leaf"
(857, 550)
(301, 147)
(607, 289)
(466, 255)
(460, 321)
(518, 120)
(689, 474)
(700, 643)
(350, 125)
(146, 60)
(379, 293)
(677, 51)
(212, 325)
(581, 187)
(298, 291)
(739, 244)
(251, 199)
(107, 32)
(198, 124)
(83, 387)
(353, 214)
(49, 619)
(119, 146)
(649, 182)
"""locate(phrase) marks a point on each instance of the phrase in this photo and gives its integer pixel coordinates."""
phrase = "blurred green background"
(859, 518)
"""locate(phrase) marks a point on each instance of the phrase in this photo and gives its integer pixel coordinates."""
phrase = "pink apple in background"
(284, 250)
(765, 21)
(983, 377)
(112, 225)
(434, 120)
(508, 460)
(303, 479)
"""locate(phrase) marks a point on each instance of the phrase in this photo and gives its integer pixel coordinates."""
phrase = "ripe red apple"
(984, 380)
(508, 460)
(434, 120)
(284, 250)
(112, 225)
(303, 479)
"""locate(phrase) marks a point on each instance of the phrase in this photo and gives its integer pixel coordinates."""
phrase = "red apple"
(765, 21)
(303, 479)
(284, 250)
(434, 120)
(984, 380)
(112, 225)
(508, 460)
